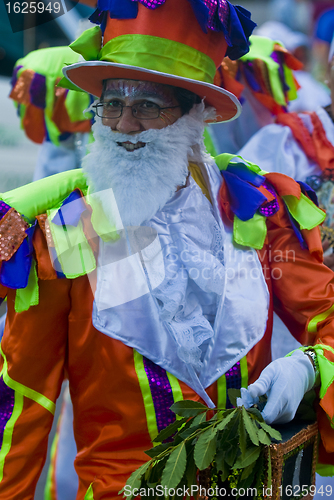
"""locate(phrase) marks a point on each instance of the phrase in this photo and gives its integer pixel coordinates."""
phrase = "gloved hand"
(285, 381)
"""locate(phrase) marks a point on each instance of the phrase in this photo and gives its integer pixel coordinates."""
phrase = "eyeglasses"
(146, 110)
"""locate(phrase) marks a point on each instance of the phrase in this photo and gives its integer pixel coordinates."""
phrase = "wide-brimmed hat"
(174, 42)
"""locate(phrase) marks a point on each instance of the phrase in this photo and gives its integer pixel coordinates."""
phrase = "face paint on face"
(127, 93)
(140, 90)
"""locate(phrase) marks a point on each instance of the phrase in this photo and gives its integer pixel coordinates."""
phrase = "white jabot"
(204, 310)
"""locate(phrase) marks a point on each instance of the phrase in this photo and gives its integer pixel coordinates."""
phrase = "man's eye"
(149, 105)
(112, 104)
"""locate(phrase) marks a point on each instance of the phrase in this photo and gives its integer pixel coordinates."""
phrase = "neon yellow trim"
(252, 232)
(313, 323)
(221, 383)
(221, 392)
(28, 296)
(223, 160)
(89, 494)
(25, 391)
(74, 253)
(325, 470)
(304, 211)
(51, 470)
(176, 389)
(326, 367)
(35, 198)
(146, 393)
(8, 431)
(208, 142)
(159, 54)
(244, 372)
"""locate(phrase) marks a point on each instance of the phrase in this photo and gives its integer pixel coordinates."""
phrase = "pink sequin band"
(233, 380)
(151, 4)
(6, 406)
(270, 208)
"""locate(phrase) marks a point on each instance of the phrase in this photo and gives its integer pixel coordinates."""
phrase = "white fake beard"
(144, 180)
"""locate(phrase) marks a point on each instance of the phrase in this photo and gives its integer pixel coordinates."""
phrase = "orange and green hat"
(173, 42)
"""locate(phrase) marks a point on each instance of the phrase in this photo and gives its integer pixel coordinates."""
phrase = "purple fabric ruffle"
(37, 91)
(14, 76)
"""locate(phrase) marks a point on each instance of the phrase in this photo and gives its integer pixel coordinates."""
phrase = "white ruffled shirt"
(196, 293)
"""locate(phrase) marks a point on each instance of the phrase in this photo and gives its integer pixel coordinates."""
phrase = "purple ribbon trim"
(6, 406)
(162, 394)
(14, 273)
(233, 380)
(37, 91)
(245, 199)
(69, 213)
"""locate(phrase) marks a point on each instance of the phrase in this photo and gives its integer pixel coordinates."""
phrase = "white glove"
(285, 381)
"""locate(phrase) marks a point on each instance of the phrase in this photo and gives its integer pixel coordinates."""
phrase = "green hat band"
(159, 54)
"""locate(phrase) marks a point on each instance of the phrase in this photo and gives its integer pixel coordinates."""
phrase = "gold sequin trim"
(12, 233)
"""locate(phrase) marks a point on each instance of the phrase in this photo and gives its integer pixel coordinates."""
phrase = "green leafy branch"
(230, 443)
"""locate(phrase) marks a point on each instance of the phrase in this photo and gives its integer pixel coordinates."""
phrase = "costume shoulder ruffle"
(249, 196)
(48, 112)
(41, 238)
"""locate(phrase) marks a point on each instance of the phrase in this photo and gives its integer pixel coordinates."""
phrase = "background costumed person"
(138, 277)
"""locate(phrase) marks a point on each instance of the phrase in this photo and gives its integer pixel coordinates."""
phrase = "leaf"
(156, 450)
(191, 471)
(192, 430)
(134, 480)
(269, 470)
(199, 419)
(175, 467)
(247, 471)
(169, 430)
(263, 437)
(271, 431)
(205, 448)
(255, 412)
(188, 408)
(156, 472)
(233, 394)
(250, 426)
(251, 455)
(226, 420)
(221, 465)
(242, 437)
(231, 454)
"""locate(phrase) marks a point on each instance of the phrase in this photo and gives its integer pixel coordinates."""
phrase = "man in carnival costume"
(139, 277)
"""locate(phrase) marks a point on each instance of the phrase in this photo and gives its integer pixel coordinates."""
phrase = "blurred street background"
(18, 154)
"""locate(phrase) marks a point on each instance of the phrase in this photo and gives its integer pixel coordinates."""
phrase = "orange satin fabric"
(56, 339)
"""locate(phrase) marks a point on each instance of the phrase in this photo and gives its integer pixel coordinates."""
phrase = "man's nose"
(128, 123)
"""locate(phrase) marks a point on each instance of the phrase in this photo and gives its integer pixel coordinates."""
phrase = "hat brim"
(89, 77)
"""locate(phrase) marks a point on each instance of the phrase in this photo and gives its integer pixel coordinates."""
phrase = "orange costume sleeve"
(302, 290)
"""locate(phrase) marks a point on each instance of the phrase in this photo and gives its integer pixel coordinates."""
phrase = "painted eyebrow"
(112, 93)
